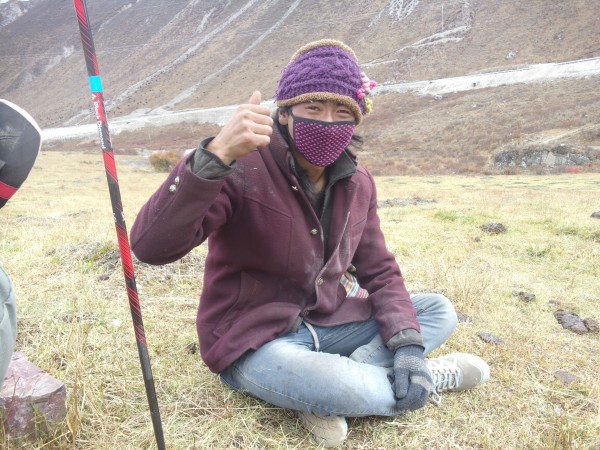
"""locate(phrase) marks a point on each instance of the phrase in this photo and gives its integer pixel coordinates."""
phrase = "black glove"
(412, 380)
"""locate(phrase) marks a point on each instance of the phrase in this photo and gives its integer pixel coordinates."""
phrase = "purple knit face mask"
(321, 143)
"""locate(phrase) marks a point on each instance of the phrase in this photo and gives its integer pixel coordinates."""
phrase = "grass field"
(58, 243)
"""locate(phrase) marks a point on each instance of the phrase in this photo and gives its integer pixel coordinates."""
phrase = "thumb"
(255, 98)
(401, 383)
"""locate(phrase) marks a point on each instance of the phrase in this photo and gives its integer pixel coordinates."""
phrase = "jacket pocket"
(249, 290)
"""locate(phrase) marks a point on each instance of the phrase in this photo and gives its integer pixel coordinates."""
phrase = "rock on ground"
(571, 321)
(493, 228)
(31, 401)
(490, 338)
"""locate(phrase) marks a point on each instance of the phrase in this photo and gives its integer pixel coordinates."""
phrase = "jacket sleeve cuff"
(404, 338)
(207, 165)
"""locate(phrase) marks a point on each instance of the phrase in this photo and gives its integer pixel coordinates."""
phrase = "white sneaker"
(327, 431)
(457, 372)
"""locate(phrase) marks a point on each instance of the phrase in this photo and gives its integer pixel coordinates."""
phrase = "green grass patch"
(455, 216)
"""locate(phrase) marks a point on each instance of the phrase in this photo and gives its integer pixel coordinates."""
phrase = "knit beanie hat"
(325, 70)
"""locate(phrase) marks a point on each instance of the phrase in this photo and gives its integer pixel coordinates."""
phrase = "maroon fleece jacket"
(267, 261)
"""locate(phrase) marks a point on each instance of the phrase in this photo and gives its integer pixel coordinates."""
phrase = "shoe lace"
(435, 398)
(445, 375)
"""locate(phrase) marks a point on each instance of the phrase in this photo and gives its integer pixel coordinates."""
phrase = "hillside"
(178, 55)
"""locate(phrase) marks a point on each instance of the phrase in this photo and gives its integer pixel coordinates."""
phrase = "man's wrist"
(405, 338)
(410, 350)
(213, 148)
(206, 164)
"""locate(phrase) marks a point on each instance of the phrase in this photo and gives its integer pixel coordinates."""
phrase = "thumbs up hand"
(249, 127)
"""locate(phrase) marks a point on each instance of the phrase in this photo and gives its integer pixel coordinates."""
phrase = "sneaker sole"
(327, 431)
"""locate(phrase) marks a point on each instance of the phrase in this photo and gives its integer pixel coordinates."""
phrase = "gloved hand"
(412, 380)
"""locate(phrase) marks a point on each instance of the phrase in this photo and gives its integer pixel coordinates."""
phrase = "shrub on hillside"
(573, 169)
(164, 160)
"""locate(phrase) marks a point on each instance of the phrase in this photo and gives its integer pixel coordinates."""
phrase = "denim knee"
(437, 318)
(446, 311)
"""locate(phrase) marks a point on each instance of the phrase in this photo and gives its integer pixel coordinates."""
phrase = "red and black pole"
(115, 197)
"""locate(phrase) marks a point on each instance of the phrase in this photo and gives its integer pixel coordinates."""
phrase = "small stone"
(192, 348)
(494, 228)
(591, 325)
(392, 202)
(238, 441)
(596, 215)
(565, 377)
(525, 296)
(570, 321)
(490, 338)
(462, 318)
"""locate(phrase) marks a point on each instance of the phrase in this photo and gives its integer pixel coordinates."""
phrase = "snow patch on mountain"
(190, 90)
(181, 58)
(11, 10)
(160, 117)
(65, 52)
(451, 31)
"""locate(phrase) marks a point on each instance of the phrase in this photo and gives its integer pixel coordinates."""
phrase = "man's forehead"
(322, 102)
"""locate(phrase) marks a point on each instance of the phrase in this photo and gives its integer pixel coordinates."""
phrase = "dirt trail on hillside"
(531, 74)
(553, 136)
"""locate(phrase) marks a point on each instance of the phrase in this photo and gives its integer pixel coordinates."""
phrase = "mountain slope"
(182, 54)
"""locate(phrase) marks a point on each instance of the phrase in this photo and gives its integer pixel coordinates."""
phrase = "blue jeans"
(344, 370)
(8, 322)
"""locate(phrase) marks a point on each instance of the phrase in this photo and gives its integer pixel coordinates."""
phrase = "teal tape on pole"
(95, 84)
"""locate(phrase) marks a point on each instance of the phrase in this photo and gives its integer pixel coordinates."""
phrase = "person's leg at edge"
(8, 322)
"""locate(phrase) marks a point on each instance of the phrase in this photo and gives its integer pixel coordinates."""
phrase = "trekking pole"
(87, 41)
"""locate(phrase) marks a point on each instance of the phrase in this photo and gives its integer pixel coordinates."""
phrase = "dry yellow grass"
(59, 245)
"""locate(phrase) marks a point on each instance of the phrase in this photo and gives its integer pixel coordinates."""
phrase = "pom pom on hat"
(325, 70)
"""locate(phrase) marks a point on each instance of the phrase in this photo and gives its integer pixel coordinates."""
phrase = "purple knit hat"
(324, 70)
